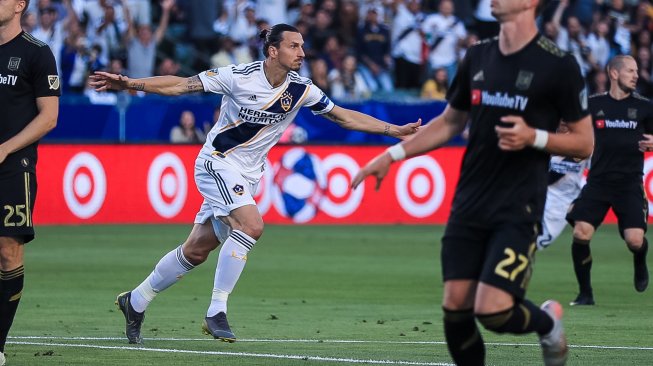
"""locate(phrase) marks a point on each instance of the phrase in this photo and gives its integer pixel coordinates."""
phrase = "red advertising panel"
(307, 184)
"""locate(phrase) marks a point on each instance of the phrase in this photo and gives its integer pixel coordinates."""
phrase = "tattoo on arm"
(194, 84)
(332, 117)
(386, 130)
(137, 86)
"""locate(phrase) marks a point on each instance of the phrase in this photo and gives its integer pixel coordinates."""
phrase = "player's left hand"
(646, 144)
(409, 129)
(515, 137)
(103, 81)
(378, 167)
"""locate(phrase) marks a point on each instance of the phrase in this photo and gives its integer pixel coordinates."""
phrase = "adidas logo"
(252, 98)
(479, 76)
(600, 113)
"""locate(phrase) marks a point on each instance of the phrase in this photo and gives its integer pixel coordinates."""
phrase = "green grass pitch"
(310, 295)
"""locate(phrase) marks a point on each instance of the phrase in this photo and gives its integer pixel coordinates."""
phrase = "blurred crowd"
(354, 49)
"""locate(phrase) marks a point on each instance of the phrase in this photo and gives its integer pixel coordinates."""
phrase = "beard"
(625, 88)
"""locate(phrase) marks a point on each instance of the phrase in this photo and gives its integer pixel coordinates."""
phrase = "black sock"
(640, 254)
(11, 291)
(582, 256)
(463, 338)
(523, 317)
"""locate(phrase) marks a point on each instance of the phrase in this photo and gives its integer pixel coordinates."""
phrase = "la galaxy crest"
(286, 101)
(212, 72)
(238, 189)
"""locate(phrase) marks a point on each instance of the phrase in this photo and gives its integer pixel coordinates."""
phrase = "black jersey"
(618, 127)
(540, 83)
(27, 71)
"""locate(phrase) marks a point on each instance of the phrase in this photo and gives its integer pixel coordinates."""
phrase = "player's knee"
(10, 247)
(634, 240)
(253, 228)
(583, 231)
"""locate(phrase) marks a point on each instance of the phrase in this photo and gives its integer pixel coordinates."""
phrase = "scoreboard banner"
(112, 184)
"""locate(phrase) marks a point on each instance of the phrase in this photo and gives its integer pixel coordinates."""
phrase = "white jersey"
(566, 178)
(254, 115)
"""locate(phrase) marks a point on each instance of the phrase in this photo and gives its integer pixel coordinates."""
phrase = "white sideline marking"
(245, 354)
(264, 340)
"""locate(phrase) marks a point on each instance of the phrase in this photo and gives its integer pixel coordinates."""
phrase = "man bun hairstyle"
(274, 36)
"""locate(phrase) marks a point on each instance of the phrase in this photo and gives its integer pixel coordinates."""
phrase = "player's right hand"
(377, 167)
(103, 81)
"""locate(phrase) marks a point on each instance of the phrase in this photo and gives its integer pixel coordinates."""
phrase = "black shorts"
(628, 202)
(500, 256)
(17, 198)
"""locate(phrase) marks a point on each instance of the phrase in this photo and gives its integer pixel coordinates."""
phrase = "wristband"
(396, 152)
(541, 138)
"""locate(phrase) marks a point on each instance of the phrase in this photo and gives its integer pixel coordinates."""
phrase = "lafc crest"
(286, 101)
(14, 62)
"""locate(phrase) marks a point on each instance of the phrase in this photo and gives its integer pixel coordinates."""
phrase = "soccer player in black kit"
(623, 124)
(29, 101)
(515, 90)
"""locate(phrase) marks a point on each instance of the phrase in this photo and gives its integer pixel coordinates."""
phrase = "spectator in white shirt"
(445, 34)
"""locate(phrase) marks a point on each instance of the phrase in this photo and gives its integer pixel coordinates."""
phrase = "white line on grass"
(242, 354)
(264, 340)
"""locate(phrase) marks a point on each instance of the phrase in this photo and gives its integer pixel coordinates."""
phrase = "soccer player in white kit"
(260, 99)
(566, 178)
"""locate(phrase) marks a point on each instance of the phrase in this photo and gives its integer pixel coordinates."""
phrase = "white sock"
(170, 269)
(231, 262)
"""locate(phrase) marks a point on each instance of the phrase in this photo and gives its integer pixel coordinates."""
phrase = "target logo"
(263, 195)
(84, 185)
(420, 186)
(167, 185)
(648, 182)
(340, 201)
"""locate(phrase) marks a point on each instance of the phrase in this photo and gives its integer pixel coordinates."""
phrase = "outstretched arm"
(353, 120)
(436, 133)
(163, 85)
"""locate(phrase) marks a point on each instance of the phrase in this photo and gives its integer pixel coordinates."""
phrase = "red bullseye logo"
(339, 200)
(338, 191)
(84, 185)
(648, 183)
(420, 186)
(167, 185)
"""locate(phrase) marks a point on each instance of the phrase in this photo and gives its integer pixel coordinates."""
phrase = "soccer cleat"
(583, 299)
(218, 327)
(133, 319)
(3, 360)
(641, 273)
(554, 344)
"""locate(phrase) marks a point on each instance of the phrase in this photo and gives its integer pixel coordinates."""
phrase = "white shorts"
(554, 221)
(224, 189)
